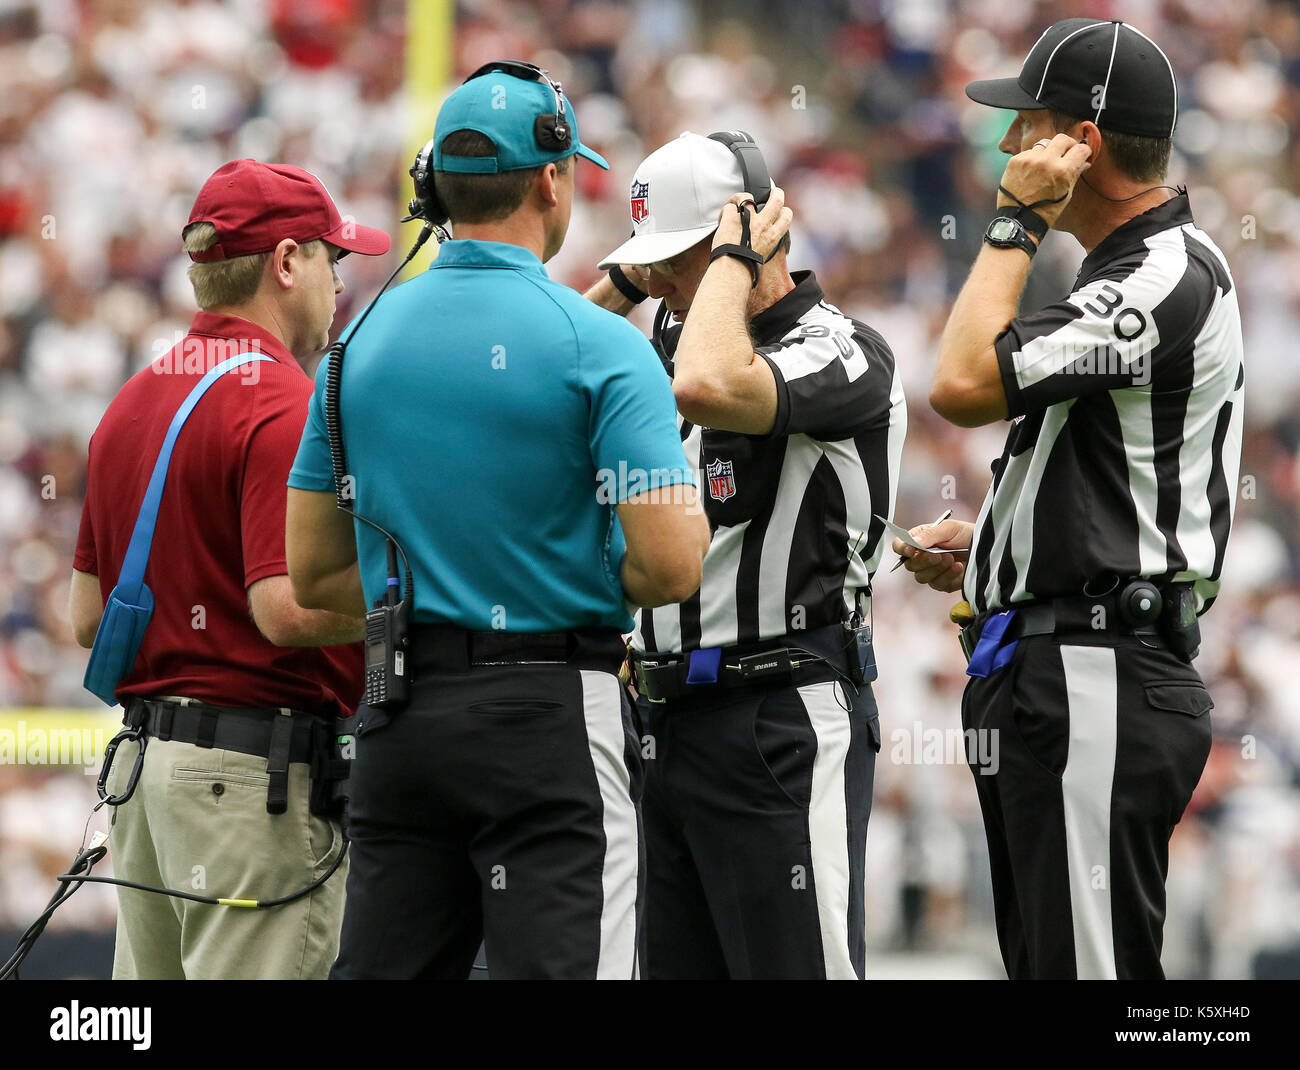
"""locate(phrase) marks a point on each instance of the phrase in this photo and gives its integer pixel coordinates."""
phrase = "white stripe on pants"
(603, 712)
(828, 827)
(1092, 692)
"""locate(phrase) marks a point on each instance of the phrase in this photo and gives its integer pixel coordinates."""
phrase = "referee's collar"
(776, 321)
(1174, 212)
(470, 252)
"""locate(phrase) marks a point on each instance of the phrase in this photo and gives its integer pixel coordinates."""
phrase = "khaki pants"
(198, 822)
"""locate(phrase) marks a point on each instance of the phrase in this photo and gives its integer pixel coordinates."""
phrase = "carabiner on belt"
(136, 734)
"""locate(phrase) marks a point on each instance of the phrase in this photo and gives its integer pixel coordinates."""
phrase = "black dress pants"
(500, 806)
(1097, 743)
(756, 809)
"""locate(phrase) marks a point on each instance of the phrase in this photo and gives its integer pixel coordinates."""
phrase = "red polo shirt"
(220, 525)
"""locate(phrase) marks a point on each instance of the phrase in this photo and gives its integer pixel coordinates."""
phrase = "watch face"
(1002, 228)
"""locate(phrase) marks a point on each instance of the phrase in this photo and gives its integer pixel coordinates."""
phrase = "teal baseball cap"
(521, 109)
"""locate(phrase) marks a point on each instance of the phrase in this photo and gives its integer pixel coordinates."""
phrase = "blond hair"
(231, 281)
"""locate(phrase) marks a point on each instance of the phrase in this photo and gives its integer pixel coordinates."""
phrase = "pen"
(903, 560)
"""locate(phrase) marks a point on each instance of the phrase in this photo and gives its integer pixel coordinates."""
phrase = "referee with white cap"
(760, 727)
(1103, 534)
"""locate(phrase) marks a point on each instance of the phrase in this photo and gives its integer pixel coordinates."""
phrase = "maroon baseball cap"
(255, 206)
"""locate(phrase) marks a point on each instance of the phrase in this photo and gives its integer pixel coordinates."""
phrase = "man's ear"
(548, 179)
(284, 262)
(1091, 133)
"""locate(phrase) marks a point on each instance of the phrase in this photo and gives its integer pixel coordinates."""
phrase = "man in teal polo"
(520, 445)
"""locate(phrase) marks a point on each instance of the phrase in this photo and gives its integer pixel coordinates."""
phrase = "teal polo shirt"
(493, 419)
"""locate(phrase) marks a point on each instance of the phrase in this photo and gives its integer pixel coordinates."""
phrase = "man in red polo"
(235, 686)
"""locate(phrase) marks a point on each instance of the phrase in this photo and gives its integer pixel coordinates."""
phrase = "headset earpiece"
(551, 133)
(753, 168)
(425, 204)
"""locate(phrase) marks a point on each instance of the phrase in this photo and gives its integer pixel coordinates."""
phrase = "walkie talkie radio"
(388, 684)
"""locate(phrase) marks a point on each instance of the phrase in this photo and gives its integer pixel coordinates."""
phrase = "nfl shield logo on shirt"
(640, 196)
(722, 483)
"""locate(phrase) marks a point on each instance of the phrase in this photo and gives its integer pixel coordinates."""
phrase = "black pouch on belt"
(333, 746)
(861, 655)
(277, 762)
(1178, 625)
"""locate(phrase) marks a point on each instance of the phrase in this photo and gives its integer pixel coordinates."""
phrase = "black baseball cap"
(1109, 72)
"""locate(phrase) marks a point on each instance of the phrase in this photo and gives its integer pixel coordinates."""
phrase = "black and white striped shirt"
(1125, 443)
(794, 539)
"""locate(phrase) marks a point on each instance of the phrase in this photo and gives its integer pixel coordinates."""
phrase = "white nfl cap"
(676, 198)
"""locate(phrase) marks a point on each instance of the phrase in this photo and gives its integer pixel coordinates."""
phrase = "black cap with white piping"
(1108, 72)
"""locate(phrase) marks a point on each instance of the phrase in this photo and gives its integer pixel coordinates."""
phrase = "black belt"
(765, 663)
(1055, 616)
(280, 736)
(444, 648)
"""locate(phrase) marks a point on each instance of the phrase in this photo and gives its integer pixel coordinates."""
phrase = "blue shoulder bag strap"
(130, 605)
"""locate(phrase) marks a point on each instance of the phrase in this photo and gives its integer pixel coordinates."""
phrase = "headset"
(757, 181)
(553, 132)
(753, 168)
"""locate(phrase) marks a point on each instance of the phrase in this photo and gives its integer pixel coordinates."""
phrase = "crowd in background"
(113, 112)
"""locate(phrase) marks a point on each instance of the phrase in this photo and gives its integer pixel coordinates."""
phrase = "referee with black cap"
(1102, 537)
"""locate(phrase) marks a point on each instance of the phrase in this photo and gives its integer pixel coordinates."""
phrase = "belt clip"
(967, 644)
(645, 685)
(137, 713)
(277, 762)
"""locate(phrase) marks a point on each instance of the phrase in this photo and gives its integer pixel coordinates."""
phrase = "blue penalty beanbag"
(117, 641)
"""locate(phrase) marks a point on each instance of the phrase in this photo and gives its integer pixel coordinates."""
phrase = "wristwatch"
(1007, 232)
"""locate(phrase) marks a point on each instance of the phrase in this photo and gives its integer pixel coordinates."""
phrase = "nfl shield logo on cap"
(722, 481)
(640, 197)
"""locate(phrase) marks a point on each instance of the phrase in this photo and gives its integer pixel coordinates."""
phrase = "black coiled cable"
(333, 419)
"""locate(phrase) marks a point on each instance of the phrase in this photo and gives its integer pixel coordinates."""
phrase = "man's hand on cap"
(1046, 171)
(766, 228)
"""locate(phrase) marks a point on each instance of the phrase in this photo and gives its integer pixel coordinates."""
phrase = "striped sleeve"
(1116, 332)
(832, 382)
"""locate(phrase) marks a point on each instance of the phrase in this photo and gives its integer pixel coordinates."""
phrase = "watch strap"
(745, 255)
(744, 252)
(626, 286)
(1028, 218)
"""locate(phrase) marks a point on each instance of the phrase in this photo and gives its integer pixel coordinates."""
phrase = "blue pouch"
(121, 631)
(704, 665)
(130, 604)
(993, 652)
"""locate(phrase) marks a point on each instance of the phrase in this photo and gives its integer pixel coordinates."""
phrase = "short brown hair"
(1143, 159)
(232, 281)
(483, 198)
